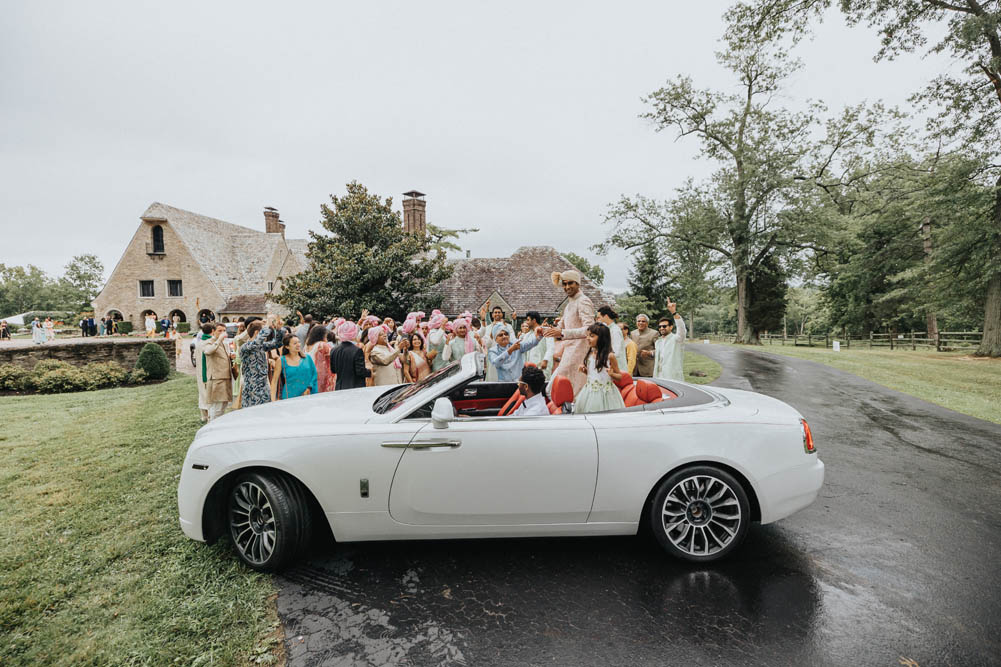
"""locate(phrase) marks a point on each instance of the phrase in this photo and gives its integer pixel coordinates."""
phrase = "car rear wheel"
(269, 520)
(700, 513)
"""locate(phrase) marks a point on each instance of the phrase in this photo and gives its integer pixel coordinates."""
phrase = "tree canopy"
(964, 102)
(366, 261)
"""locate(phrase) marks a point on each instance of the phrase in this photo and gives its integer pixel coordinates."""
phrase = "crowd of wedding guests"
(269, 360)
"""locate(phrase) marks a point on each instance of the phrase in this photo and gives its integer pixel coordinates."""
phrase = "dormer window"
(158, 240)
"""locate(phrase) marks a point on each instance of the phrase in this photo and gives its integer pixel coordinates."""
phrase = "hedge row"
(50, 376)
(53, 377)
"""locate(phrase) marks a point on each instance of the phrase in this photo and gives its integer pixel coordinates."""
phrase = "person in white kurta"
(572, 330)
(669, 358)
(608, 317)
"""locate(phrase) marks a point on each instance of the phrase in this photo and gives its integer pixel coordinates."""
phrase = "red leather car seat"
(560, 392)
(517, 398)
(648, 392)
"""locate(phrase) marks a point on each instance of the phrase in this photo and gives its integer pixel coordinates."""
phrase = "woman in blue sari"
(297, 373)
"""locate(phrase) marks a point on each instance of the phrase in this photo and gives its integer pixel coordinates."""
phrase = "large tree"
(366, 261)
(83, 279)
(648, 279)
(967, 99)
(764, 155)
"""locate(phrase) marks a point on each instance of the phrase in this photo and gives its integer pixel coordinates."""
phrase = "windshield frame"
(408, 397)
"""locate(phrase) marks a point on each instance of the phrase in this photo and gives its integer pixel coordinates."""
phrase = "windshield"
(396, 397)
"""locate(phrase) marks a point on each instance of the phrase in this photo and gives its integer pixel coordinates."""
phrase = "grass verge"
(697, 362)
(954, 380)
(94, 569)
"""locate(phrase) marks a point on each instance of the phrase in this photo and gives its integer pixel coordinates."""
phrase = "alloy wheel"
(701, 515)
(252, 522)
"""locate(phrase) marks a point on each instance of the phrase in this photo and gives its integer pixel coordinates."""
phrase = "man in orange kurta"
(572, 330)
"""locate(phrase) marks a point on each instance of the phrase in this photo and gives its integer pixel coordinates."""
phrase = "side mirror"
(442, 413)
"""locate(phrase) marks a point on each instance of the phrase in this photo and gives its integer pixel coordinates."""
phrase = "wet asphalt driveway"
(898, 562)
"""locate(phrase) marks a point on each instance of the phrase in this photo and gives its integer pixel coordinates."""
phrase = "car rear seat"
(560, 392)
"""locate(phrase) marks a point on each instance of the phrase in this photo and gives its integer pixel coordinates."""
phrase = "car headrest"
(624, 381)
(647, 392)
(561, 391)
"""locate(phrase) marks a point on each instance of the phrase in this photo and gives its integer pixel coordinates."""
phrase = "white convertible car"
(443, 458)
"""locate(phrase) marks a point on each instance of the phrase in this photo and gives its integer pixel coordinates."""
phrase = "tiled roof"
(246, 303)
(299, 248)
(234, 258)
(523, 280)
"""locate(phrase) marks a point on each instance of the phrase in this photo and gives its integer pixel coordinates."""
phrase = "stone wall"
(82, 352)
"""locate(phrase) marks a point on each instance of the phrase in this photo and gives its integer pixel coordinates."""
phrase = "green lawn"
(953, 380)
(698, 362)
(94, 569)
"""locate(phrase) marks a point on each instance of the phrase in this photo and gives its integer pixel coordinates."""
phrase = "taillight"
(808, 445)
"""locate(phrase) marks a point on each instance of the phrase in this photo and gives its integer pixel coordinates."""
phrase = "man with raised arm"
(669, 359)
(572, 330)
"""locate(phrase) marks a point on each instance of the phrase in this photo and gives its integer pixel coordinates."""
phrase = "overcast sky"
(518, 118)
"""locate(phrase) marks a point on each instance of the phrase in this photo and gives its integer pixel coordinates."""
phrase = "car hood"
(304, 415)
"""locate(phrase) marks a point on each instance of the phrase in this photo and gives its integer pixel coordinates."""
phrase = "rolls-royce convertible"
(447, 458)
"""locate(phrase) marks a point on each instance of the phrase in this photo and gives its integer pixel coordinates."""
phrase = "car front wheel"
(269, 520)
(700, 513)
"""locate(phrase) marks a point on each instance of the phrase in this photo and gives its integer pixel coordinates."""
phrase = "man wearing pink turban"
(436, 340)
(461, 341)
(347, 360)
(385, 359)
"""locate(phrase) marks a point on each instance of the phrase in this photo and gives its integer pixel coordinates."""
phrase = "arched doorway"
(225, 319)
(147, 326)
(114, 315)
(181, 317)
(205, 315)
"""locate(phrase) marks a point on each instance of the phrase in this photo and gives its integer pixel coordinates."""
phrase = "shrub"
(61, 380)
(136, 376)
(153, 360)
(46, 365)
(106, 374)
(183, 327)
(13, 378)
(124, 327)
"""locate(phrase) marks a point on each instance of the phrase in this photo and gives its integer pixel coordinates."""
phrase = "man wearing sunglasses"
(531, 386)
(669, 359)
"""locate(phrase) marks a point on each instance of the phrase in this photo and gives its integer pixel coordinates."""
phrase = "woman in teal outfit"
(298, 372)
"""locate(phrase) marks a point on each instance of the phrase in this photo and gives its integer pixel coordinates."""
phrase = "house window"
(174, 288)
(158, 240)
(271, 287)
(145, 288)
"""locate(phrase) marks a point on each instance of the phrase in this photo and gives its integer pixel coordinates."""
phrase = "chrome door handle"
(397, 444)
(434, 444)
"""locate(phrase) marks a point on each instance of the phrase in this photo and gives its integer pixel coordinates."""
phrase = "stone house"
(193, 266)
(521, 282)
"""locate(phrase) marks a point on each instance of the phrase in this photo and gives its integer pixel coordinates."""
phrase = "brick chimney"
(414, 212)
(272, 225)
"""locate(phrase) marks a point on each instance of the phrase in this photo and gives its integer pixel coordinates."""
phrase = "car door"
(498, 471)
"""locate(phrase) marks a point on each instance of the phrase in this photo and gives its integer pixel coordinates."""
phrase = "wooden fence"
(946, 341)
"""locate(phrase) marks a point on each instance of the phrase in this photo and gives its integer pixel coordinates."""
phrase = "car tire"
(269, 520)
(700, 514)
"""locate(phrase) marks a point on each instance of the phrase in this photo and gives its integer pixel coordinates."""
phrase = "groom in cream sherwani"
(577, 317)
